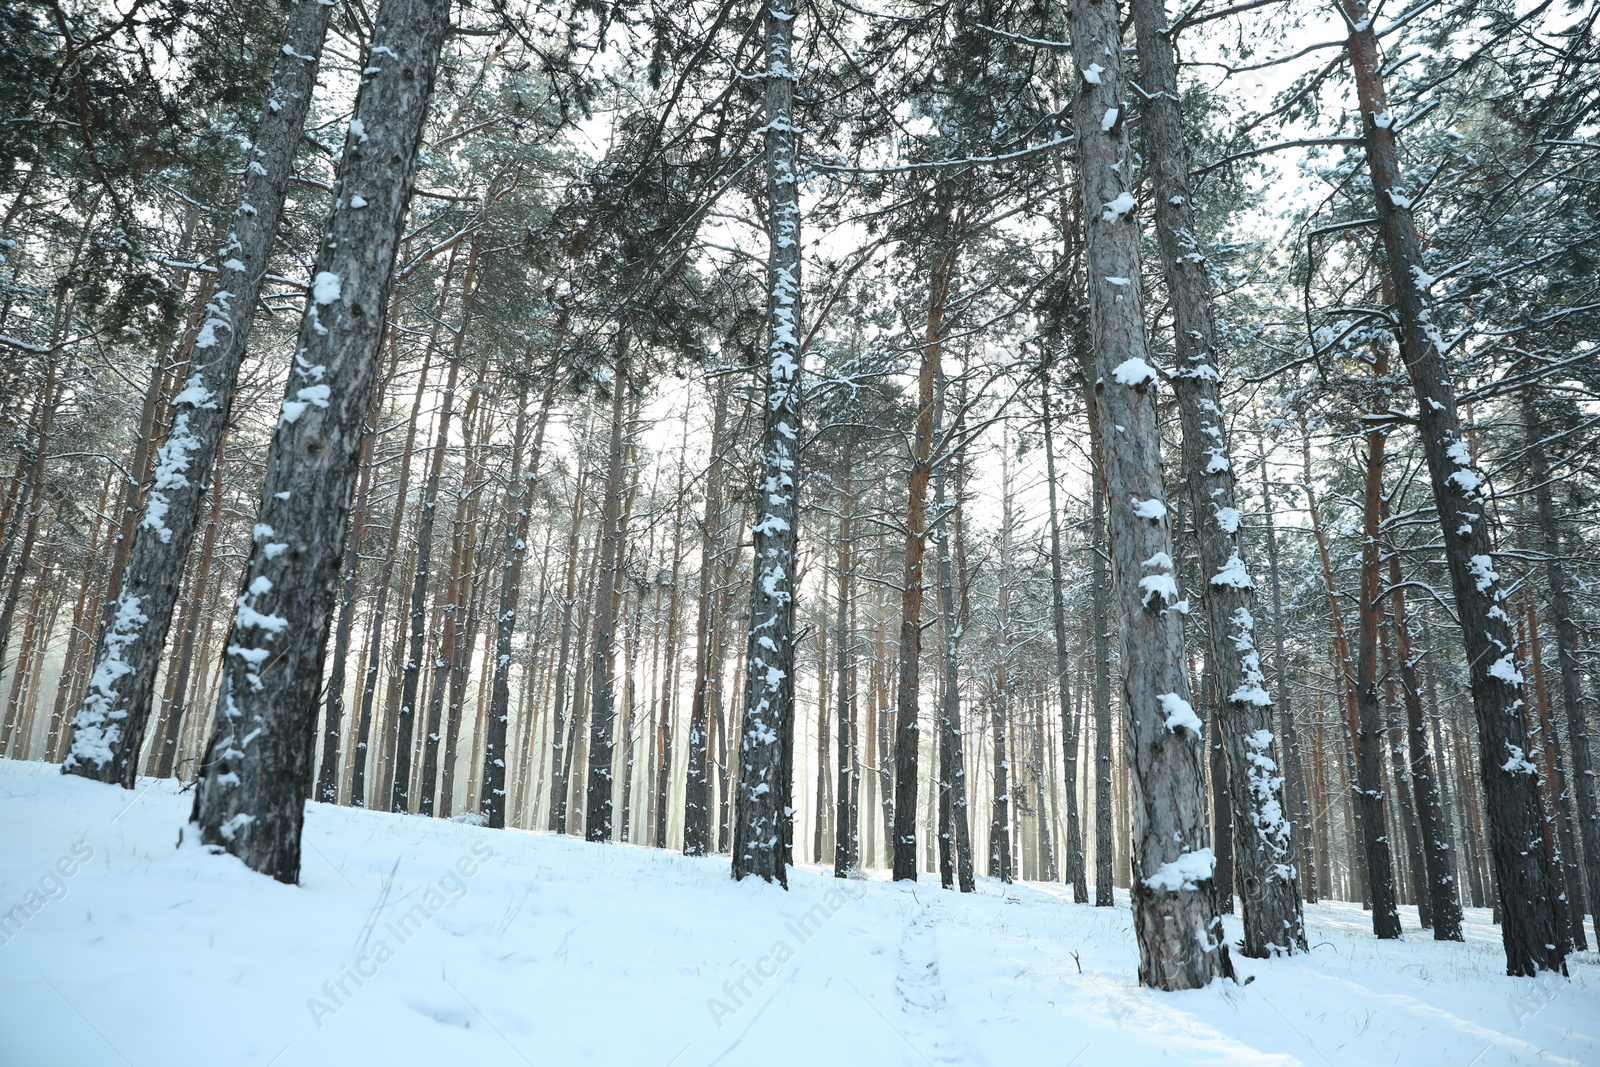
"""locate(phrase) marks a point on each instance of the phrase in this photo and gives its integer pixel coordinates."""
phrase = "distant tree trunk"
(1369, 738)
(391, 558)
(847, 838)
(602, 701)
(1297, 796)
(421, 574)
(759, 826)
(1058, 620)
(108, 730)
(1181, 943)
(250, 799)
(955, 821)
(1000, 858)
(1567, 644)
(565, 699)
(1099, 622)
(1530, 927)
(907, 733)
(669, 671)
(1405, 812)
(697, 787)
(33, 492)
(1558, 817)
(1433, 819)
(520, 506)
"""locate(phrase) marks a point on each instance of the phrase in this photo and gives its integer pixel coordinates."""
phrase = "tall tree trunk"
(257, 770)
(954, 817)
(520, 505)
(1530, 927)
(1264, 858)
(1567, 645)
(1058, 621)
(1180, 935)
(1298, 799)
(759, 828)
(847, 836)
(1000, 850)
(669, 670)
(907, 733)
(1370, 735)
(1100, 621)
(697, 785)
(602, 702)
(565, 698)
(1444, 897)
(411, 677)
(108, 730)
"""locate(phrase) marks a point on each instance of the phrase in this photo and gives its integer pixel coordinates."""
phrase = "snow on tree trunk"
(1179, 933)
(1567, 644)
(256, 773)
(1265, 874)
(760, 818)
(109, 727)
(1529, 927)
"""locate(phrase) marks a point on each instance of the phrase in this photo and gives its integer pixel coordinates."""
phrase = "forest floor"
(421, 941)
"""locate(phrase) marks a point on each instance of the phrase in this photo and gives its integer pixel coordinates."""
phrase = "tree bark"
(1567, 644)
(251, 795)
(1264, 859)
(697, 785)
(760, 822)
(602, 700)
(1180, 935)
(1530, 929)
(955, 819)
(109, 727)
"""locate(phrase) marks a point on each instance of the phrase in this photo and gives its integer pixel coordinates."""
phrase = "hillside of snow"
(415, 941)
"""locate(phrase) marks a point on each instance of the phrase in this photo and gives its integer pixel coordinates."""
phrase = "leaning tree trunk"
(759, 825)
(1058, 621)
(250, 798)
(516, 551)
(1567, 644)
(1179, 932)
(1263, 852)
(109, 727)
(1529, 928)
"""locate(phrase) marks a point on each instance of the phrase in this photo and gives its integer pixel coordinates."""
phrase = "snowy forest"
(1076, 455)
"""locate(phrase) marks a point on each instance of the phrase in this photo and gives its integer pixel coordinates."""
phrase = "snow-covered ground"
(414, 941)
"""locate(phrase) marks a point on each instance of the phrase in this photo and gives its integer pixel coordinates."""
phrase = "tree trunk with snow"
(109, 727)
(256, 773)
(1567, 645)
(760, 818)
(1530, 928)
(1179, 933)
(1265, 874)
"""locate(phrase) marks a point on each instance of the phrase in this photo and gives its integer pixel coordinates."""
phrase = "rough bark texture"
(760, 820)
(1265, 875)
(109, 727)
(1179, 933)
(1100, 622)
(250, 798)
(1529, 927)
(1567, 645)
